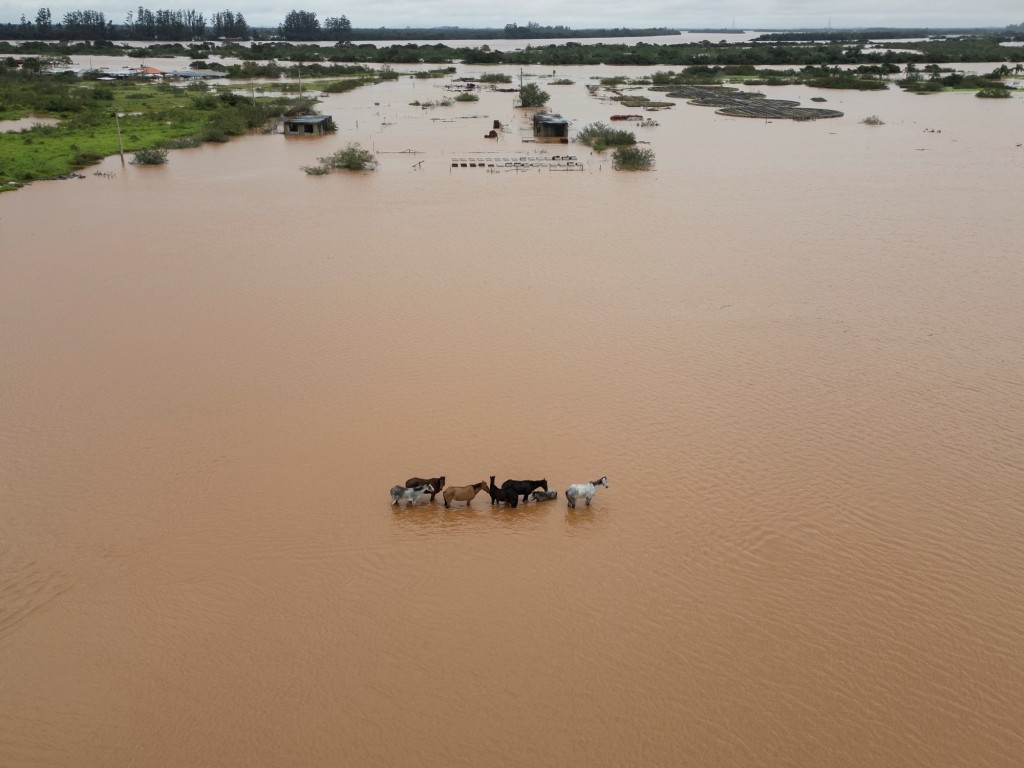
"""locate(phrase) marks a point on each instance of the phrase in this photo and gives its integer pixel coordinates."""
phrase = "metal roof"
(550, 119)
(312, 119)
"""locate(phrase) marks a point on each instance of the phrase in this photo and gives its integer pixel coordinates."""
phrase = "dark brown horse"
(436, 484)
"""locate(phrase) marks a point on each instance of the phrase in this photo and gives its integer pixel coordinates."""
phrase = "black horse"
(515, 488)
(496, 493)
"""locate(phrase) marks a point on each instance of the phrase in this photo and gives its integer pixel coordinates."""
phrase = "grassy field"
(150, 115)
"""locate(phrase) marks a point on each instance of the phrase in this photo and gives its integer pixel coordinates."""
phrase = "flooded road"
(794, 349)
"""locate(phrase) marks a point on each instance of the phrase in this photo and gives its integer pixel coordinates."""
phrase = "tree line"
(171, 25)
(300, 25)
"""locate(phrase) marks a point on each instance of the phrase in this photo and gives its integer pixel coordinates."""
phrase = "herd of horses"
(508, 493)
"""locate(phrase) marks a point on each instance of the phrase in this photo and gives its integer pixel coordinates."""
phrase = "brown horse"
(462, 493)
(436, 484)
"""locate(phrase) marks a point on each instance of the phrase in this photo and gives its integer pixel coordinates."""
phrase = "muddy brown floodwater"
(795, 349)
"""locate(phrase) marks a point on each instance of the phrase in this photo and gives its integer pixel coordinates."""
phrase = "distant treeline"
(881, 33)
(949, 51)
(191, 25)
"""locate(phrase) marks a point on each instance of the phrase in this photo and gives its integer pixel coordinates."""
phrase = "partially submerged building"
(307, 125)
(549, 127)
(196, 74)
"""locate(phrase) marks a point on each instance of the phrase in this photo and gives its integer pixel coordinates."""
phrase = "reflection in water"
(429, 519)
(583, 520)
(794, 347)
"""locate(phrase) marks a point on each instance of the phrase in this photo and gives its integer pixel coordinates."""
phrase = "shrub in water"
(633, 159)
(872, 120)
(598, 136)
(149, 157)
(351, 158)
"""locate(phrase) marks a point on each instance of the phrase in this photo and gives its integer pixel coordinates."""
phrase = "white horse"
(400, 493)
(583, 491)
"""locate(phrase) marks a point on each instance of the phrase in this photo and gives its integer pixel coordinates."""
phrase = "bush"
(467, 97)
(495, 77)
(872, 120)
(599, 136)
(149, 157)
(633, 159)
(351, 158)
(993, 93)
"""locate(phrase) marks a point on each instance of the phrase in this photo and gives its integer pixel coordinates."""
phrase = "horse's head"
(603, 481)
(544, 484)
(440, 483)
(427, 488)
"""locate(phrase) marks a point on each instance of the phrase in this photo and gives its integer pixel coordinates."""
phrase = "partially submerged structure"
(550, 128)
(307, 125)
(196, 74)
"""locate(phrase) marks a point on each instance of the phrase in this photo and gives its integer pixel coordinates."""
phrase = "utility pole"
(117, 119)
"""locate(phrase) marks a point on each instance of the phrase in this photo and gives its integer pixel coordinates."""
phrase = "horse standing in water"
(436, 484)
(462, 493)
(586, 491)
(515, 488)
(411, 495)
(496, 493)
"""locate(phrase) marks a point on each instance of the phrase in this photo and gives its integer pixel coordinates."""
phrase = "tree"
(530, 95)
(88, 25)
(300, 25)
(338, 28)
(44, 22)
(228, 24)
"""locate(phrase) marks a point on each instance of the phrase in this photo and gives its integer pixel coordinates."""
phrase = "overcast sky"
(680, 14)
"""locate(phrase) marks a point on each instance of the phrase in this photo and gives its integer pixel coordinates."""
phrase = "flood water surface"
(794, 349)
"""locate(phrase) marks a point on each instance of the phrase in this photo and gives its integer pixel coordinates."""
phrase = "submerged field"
(793, 348)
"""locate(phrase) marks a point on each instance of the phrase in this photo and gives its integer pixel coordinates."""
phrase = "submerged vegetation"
(98, 118)
(530, 95)
(960, 49)
(633, 159)
(351, 158)
(155, 156)
(599, 136)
